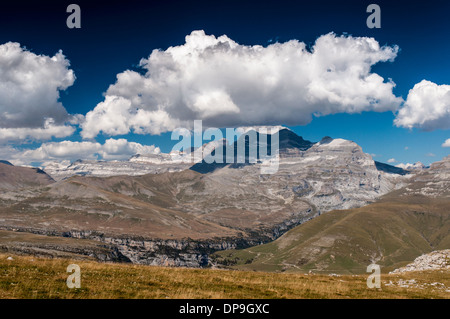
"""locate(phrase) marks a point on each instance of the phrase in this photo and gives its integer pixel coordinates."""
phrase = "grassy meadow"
(32, 277)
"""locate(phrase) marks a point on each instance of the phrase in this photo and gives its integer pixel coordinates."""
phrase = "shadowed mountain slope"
(15, 177)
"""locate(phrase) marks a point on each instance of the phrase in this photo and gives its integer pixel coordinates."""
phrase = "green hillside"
(391, 233)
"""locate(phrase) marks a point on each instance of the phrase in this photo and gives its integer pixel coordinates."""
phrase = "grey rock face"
(432, 182)
(331, 174)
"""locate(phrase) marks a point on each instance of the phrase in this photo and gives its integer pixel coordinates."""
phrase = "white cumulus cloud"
(116, 116)
(427, 107)
(446, 143)
(391, 160)
(227, 84)
(49, 130)
(29, 93)
(122, 149)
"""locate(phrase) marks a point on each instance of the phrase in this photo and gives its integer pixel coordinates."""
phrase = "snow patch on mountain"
(411, 167)
(135, 166)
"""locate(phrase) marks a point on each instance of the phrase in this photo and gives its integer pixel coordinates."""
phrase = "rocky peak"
(442, 165)
(390, 169)
(326, 140)
(289, 140)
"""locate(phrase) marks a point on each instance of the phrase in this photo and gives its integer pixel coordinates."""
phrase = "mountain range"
(158, 209)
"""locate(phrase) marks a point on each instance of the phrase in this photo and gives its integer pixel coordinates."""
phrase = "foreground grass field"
(31, 277)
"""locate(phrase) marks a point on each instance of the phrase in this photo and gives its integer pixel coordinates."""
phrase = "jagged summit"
(289, 139)
(390, 169)
(326, 140)
(289, 144)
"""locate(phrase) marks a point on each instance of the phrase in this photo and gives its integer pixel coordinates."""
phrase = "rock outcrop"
(436, 260)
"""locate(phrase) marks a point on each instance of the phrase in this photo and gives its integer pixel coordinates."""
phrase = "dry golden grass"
(31, 277)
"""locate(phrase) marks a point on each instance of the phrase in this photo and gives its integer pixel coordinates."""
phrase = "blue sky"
(116, 35)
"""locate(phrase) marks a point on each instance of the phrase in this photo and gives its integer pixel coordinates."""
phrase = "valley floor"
(32, 277)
